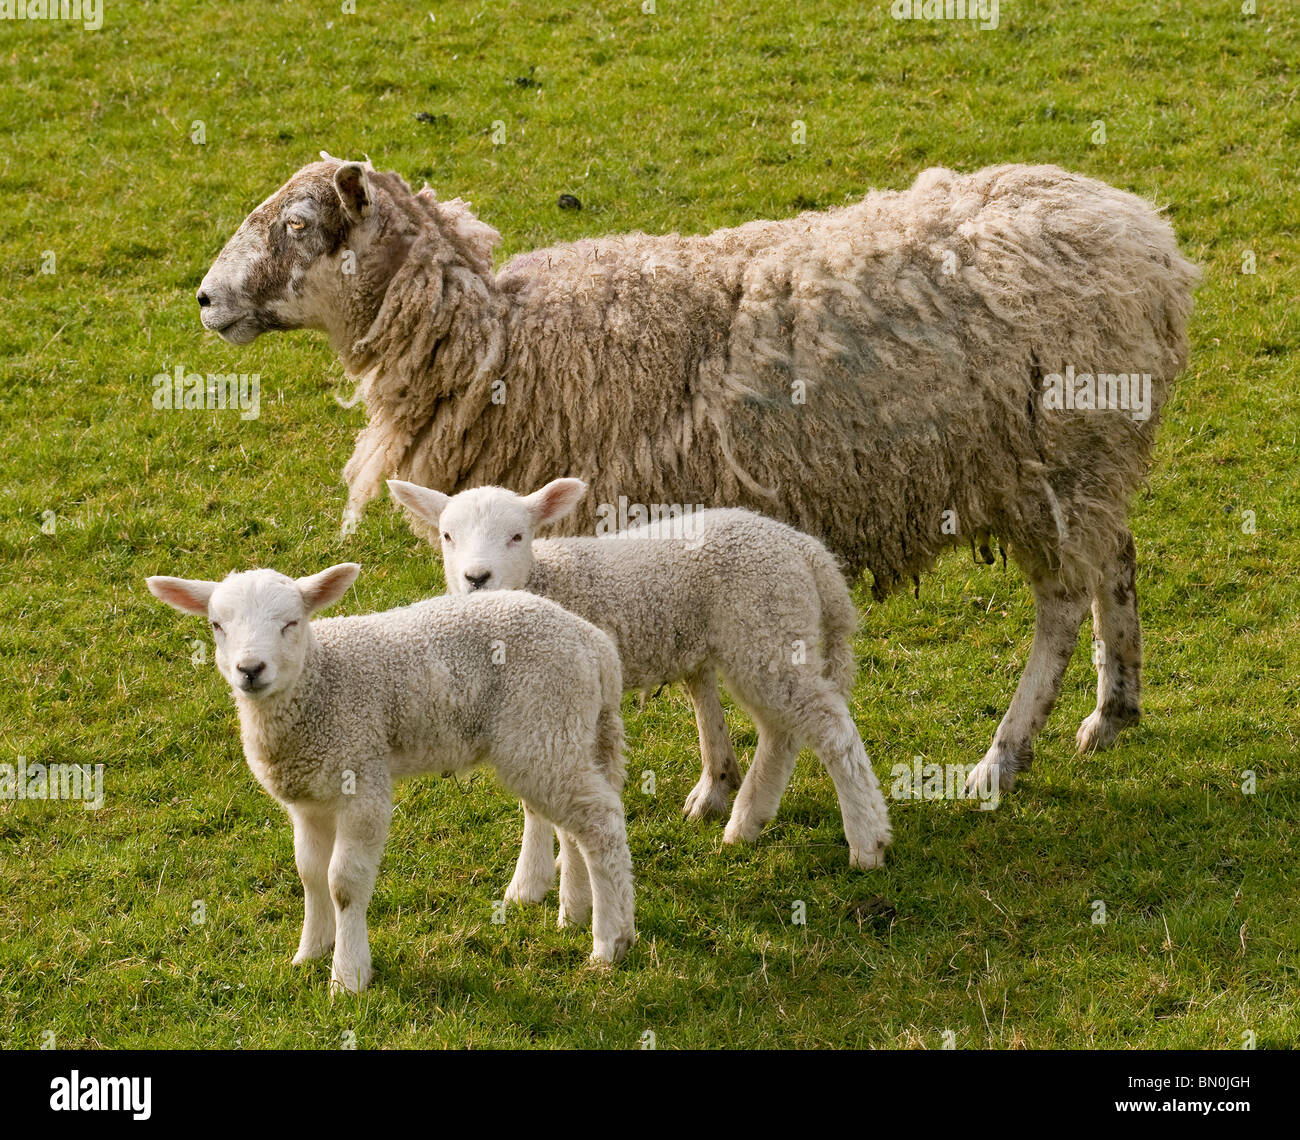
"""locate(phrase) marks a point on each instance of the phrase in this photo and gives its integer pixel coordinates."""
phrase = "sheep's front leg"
(535, 872)
(1117, 651)
(358, 846)
(719, 773)
(313, 844)
(1059, 612)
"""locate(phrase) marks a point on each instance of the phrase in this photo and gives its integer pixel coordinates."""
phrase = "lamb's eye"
(288, 626)
(295, 224)
(216, 627)
(516, 538)
(446, 537)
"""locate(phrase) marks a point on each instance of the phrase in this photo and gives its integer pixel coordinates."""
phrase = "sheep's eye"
(517, 538)
(216, 627)
(288, 626)
(446, 537)
(295, 224)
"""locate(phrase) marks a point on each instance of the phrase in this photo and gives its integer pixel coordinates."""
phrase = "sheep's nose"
(252, 672)
(477, 580)
(204, 300)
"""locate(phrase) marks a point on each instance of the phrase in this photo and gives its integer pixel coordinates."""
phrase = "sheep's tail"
(839, 618)
(609, 722)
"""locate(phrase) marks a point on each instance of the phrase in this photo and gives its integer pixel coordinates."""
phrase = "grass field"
(980, 932)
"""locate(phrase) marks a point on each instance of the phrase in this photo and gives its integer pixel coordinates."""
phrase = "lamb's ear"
(189, 595)
(353, 189)
(554, 501)
(423, 502)
(327, 587)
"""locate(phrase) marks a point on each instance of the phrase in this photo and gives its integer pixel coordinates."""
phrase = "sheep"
(889, 376)
(721, 591)
(333, 711)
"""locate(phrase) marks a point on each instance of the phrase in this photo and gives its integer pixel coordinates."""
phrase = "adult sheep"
(896, 376)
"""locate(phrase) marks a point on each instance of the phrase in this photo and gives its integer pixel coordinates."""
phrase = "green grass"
(678, 120)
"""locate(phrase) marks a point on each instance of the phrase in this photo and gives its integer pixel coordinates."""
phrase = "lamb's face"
(259, 624)
(284, 267)
(259, 621)
(487, 541)
(487, 532)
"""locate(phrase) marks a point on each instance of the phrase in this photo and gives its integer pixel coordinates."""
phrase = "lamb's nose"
(204, 300)
(476, 580)
(252, 672)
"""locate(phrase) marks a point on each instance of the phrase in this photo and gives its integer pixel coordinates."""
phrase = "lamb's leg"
(575, 883)
(594, 820)
(1056, 630)
(358, 847)
(1118, 651)
(835, 739)
(719, 773)
(313, 843)
(765, 782)
(535, 872)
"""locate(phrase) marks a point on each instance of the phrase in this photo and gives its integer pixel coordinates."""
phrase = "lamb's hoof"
(526, 893)
(1099, 729)
(576, 915)
(744, 830)
(351, 979)
(867, 860)
(310, 955)
(611, 951)
(997, 771)
(709, 798)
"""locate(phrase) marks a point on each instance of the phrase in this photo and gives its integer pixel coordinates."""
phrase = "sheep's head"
(320, 252)
(487, 532)
(287, 265)
(259, 620)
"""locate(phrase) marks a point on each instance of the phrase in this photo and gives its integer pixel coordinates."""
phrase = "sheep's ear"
(327, 587)
(190, 596)
(353, 189)
(423, 502)
(554, 501)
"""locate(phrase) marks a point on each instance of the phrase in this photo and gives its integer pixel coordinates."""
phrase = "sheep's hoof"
(1099, 729)
(526, 894)
(708, 798)
(575, 914)
(742, 831)
(998, 770)
(305, 955)
(610, 951)
(867, 860)
(350, 980)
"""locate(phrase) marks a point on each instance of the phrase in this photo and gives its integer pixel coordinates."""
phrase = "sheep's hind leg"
(313, 844)
(1059, 614)
(765, 782)
(719, 772)
(593, 820)
(575, 883)
(1117, 650)
(835, 739)
(535, 872)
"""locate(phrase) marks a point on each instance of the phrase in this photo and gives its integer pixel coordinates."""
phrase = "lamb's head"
(259, 621)
(320, 252)
(487, 532)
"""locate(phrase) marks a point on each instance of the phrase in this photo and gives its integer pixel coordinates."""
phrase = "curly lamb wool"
(873, 375)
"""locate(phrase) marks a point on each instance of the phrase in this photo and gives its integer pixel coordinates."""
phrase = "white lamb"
(333, 711)
(720, 591)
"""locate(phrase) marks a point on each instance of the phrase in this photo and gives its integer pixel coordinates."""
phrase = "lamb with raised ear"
(333, 711)
(722, 591)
